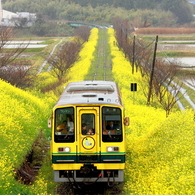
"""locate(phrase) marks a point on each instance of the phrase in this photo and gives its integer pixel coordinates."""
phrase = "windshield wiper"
(109, 134)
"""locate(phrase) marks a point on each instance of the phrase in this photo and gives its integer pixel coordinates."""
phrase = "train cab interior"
(111, 124)
(111, 129)
(64, 125)
(88, 124)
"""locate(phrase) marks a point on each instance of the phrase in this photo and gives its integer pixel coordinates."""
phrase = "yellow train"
(88, 135)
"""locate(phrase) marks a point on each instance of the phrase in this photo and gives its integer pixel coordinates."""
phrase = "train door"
(88, 132)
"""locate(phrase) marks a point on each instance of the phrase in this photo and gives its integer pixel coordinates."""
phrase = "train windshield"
(112, 125)
(88, 124)
(64, 125)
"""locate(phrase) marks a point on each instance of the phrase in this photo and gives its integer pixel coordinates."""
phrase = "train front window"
(112, 124)
(88, 124)
(64, 125)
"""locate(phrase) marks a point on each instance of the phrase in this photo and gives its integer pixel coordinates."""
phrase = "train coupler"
(70, 174)
(109, 175)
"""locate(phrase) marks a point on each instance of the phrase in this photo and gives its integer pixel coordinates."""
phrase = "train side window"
(64, 124)
(88, 124)
(111, 124)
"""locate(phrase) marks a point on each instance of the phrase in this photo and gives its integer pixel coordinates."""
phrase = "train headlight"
(64, 149)
(112, 149)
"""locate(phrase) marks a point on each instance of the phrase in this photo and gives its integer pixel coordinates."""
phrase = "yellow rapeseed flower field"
(76, 73)
(160, 150)
(22, 116)
(81, 67)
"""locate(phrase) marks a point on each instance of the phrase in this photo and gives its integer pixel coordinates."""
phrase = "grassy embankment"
(81, 67)
(174, 42)
(23, 115)
(160, 150)
(100, 68)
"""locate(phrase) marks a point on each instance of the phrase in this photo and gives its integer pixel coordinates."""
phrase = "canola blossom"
(75, 73)
(45, 79)
(160, 150)
(80, 68)
(22, 116)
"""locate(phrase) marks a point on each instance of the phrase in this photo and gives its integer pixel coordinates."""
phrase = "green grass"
(48, 42)
(33, 50)
(101, 64)
(176, 54)
(170, 38)
(151, 152)
(191, 94)
(185, 73)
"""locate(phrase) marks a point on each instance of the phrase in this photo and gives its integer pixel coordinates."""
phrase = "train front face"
(88, 144)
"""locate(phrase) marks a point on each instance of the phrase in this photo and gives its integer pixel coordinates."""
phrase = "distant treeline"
(153, 12)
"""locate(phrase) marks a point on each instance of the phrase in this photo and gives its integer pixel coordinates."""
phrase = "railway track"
(93, 189)
(101, 69)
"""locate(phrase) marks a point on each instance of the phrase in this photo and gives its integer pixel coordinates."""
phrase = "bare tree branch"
(18, 73)
(64, 59)
(7, 56)
(12, 69)
(83, 32)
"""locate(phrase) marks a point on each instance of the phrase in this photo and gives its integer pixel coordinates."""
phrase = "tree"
(83, 32)
(180, 8)
(8, 56)
(66, 56)
(18, 73)
(162, 83)
(40, 27)
(165, 86)
(21, 23)
(14, 71)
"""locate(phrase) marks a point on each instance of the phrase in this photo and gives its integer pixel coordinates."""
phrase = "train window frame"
(88, 124)
(113, 114)
(69, 136)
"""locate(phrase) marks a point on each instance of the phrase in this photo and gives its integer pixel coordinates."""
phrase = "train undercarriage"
(89, 174)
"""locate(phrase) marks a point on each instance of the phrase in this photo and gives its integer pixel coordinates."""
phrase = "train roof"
(90, 92)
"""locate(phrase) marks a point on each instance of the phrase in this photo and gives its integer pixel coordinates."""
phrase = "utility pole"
(133, 62)
(152, 72)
